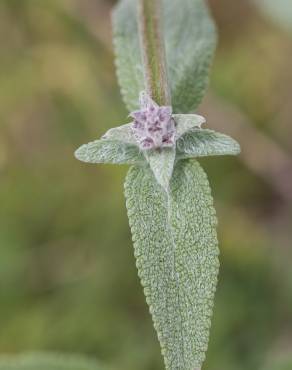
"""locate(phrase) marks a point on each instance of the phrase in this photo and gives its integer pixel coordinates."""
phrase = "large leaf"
(176, 249)
(190, 40)
(109, 151)
(46, 362)
(202, 143)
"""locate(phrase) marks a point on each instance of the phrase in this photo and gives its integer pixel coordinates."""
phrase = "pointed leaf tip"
(161, 163)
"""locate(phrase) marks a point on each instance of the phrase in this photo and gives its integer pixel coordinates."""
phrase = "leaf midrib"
(171, 232)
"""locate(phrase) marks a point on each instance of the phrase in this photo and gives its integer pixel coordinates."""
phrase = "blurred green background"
(68, 280)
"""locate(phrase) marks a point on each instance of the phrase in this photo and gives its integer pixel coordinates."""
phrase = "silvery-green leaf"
(128, 55)
(176, 250)
(279, 11)
(44, 361)
(161, 163)
(190, 45)
(190, 40)
(186, 122)
(201, 143)
(122, 133)
(109, 151)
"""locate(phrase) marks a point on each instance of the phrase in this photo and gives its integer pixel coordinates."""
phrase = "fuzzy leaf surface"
(202, 143)
(109, 151)
(190, 41)
(122, 133)
(176, 250)
(162, 163)
(187, 122)
(279, 11)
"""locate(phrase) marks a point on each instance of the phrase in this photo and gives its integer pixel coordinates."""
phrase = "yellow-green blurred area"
(68, 280)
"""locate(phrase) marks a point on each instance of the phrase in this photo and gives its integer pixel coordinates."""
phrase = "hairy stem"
(153, 50)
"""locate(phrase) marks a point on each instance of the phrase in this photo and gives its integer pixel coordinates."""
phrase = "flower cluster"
(153, 125)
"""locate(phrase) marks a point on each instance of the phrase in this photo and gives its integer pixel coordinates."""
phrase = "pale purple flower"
(153, 126)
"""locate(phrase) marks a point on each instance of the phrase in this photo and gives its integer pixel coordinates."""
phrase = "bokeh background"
(67, 275)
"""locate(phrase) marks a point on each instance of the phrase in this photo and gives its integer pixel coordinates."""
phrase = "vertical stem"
(153, 50)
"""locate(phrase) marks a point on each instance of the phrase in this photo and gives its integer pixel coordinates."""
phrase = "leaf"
(161, 163)
(46, 362)
(187, 122)
(109, 151)
(279, 11)
(175, 245)
(190, 40)
(128, 55)
(202, 143)
(122, 133)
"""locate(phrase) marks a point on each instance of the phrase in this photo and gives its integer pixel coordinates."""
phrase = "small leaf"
(175, 245)
(279, 11)
(187, 122)
(109, 151)
(201, 143)
(161, 162)
(44, 361)
(190, 40)
(122, 133)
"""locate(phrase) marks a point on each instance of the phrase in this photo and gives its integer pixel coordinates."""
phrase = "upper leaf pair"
(190, 40)
(158, 135)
